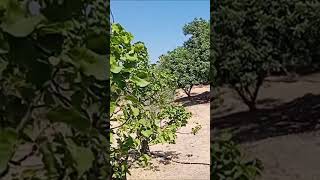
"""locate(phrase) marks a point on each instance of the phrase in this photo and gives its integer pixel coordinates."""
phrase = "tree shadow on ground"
(268, 102)
(224, 111)
(298, 116)
(196, 99)
(163, 157)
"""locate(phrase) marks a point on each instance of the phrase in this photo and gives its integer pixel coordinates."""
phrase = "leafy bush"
(142, 111)
(227, 161)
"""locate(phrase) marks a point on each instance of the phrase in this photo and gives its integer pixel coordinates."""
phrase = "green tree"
(255, 38)
(141, 111)
(190, 62)
(198, 45)
(296, 27)
(179, 62)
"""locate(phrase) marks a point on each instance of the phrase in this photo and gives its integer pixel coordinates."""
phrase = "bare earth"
(285, 136)
(188, 148)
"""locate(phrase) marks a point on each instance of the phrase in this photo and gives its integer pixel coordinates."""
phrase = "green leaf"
(115, 68)
(8, 139)
(49, 160)
(135, 111)
(82, 156)
(140, 82)
(146, 133)
(70, 117)
(22, 27)
(4, 3)
(90, 63)
(132, 58)
(133, 99)
(112, 107)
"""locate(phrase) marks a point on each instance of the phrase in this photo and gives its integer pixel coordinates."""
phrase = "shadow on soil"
(195, 99)
(298, 116)
(163, 158)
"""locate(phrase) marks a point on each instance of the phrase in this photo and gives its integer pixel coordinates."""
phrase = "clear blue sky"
(158, 23)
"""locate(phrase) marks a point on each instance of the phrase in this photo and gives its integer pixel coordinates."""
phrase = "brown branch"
(18, 162)
(120, 125)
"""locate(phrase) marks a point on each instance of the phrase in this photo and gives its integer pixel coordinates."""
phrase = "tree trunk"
(188, 90)
(249, 101)
(252, 106)
(248, 96)
(144, 147)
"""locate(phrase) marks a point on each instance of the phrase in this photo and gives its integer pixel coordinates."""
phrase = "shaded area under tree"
(298, 116)
(196, 99)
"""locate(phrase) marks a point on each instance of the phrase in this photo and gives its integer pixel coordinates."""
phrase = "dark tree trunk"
(249, 97)
(252, 106)
(249, 102)
(145, 147)
(188, 90)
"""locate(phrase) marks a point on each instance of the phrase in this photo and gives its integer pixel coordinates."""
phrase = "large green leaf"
(70, 117)
(22, 27)
(8, 139)
(90, 63)
(49, 160)
(147, 133)
(135, 111)
(82, 156)
(4, 3)
(139, 82)
(115, 68)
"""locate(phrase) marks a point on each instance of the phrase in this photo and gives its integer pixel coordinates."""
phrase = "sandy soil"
(188, 148)
(284, 134)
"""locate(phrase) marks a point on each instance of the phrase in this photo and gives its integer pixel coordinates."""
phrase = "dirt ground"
(283, 133)
(189, 148)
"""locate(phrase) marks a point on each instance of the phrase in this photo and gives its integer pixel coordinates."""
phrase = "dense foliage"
(190, 62)
(54, 92)
(142, 112)
(227, 162)
(53, 89)
(255, 38)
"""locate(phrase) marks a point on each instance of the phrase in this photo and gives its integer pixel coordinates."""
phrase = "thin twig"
(112, 16)
(121, 124)
(24, 119)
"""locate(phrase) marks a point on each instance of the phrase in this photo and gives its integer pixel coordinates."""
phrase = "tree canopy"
(253, 39)
(190, 62)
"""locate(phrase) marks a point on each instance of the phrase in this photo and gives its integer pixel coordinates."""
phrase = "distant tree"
(190, 62)
(178, 62)
(198, 45)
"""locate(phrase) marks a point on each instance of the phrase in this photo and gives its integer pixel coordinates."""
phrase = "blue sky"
(158, 23)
